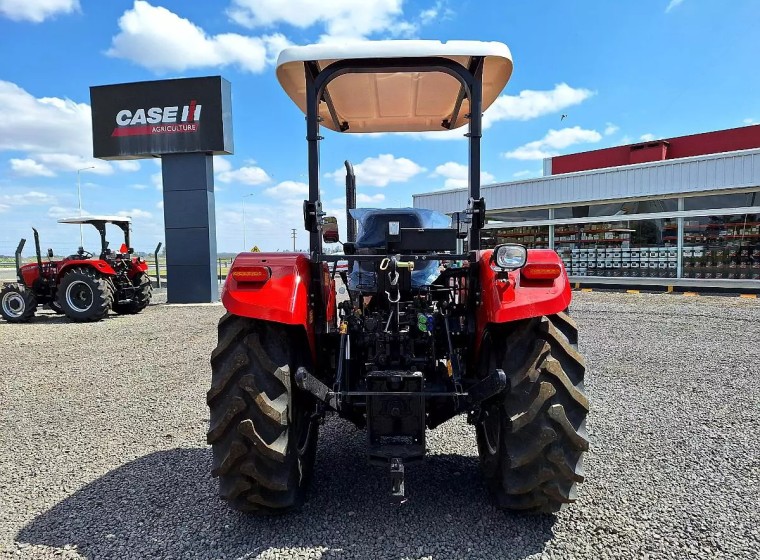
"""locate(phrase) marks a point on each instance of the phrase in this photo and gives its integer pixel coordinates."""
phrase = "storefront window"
(722, 201)
(533, 237)
(723, 247)
(617, 209)
(641, 248)
(518, 215)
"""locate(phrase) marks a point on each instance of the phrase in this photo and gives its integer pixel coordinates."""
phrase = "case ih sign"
(144, 119)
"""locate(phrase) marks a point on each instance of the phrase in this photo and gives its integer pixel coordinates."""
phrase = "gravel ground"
(102, 434)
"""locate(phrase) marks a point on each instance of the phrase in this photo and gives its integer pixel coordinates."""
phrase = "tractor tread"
(30, 303)
(254, 438)
(536, 462)
(143, 295)
(101, 291)
(545, 392)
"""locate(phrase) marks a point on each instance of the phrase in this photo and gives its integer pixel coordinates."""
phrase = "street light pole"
(79, 196)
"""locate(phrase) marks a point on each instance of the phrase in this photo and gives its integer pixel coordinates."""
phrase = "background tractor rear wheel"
(84, 295)
(262, 432)
(533, 436)
(141, 299)
(17, 304)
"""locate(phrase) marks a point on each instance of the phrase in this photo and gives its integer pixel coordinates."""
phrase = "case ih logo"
(158, 120)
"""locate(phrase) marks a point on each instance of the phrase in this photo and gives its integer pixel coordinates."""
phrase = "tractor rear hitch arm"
(487, 387)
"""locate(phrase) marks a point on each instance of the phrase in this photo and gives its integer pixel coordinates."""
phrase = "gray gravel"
(103, 455)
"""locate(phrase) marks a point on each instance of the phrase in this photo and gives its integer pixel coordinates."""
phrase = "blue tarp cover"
(371, 233)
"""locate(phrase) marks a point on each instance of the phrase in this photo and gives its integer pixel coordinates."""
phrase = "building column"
(679, 221)
(190, 227)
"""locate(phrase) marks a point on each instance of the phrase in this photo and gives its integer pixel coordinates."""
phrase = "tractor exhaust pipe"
(38, 250)
(18, 259)
(350, 202)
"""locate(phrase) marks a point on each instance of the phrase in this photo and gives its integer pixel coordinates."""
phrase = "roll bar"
(471, 87)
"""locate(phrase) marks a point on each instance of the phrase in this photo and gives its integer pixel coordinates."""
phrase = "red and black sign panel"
(144, 119)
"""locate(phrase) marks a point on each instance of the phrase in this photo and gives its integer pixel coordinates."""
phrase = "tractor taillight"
(541, 271)
(252, 274)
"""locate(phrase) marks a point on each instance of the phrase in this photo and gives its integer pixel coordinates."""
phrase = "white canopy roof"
(88, 219)
(394, 102)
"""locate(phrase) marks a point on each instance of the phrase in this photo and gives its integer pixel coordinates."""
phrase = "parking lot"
(103, 454)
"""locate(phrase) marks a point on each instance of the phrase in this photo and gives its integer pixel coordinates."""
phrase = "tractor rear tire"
(533, 436)
(17, 303)
(84, 295)
(142, 296)
(262, 431)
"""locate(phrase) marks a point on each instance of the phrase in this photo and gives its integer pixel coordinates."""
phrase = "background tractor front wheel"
(532, 438)
(17, 304)
(84, 295)
(262, 432)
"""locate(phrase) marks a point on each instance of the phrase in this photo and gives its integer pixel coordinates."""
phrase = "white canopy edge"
(88, 219)
(399, 102)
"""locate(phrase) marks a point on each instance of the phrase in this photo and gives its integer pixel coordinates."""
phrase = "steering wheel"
(82, 254)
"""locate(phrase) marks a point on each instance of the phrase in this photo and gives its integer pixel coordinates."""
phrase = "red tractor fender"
(275, 287)
(138, 266)
(512, 297)
(100, 266)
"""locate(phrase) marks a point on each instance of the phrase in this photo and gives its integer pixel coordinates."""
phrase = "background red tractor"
(80, 286)
(430, 329)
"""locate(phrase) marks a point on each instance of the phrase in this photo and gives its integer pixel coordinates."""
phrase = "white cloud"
(362, 198)
(456, 175)
(135, 214)
(748, 121)
(46, 124)
(30, 168)
(527, 174)
(553, 141)
(438, 11)
(673, 4)
(4, 207)
(55, 134)
(288, 189)
(380, 171)
(160, 40)
(530, 104)
(138, 186)
(73, 162)
(247, 175)
(27, 199)
(160, 204)
(58, 212)
(648, 137)
(36, 11)
(221, 164)
(158, 181)
(340, 18)
(127, 165)
(610, 129)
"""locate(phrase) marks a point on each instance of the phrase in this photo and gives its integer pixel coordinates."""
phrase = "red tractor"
(80, 286)
(432, 327)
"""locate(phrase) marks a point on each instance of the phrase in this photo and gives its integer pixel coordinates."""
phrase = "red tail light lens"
(252, 274)
(541, 271)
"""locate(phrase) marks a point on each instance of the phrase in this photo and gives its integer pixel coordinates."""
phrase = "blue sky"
(620, 71)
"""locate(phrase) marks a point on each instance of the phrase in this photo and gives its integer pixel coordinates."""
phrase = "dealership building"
(676, 212)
